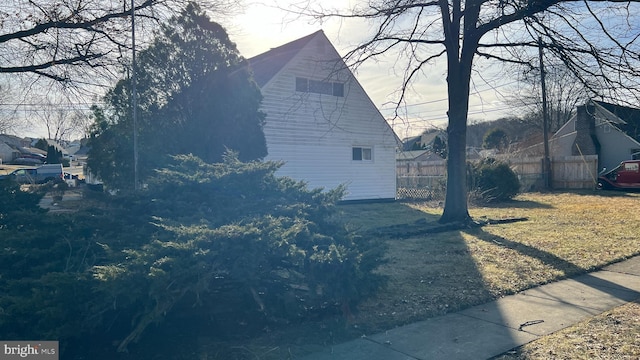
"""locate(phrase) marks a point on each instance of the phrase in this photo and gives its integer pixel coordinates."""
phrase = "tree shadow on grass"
(568, 269)
(428, 275)
(374, 216)
(518, 204)
(432, 274)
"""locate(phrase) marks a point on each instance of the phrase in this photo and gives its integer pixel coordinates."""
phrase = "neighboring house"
(631, 117)
(321, 123)
(418, 163)
(10, 148)
(424, 141)
(418, 155)
(14, 141)
(596, 130)
(473, 153)
(7, 153)
(412, 143)
(73, 147)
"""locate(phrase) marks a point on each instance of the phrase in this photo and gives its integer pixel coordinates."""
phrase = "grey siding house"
(596, 130)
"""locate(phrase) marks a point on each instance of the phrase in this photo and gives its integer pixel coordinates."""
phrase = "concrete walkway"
(69, 195)
(488, 330)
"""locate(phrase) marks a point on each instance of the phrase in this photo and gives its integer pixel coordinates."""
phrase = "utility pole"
(134, 96)
(546, 163)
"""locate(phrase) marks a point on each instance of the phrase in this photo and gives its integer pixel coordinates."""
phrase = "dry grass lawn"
(614, 334)
(565, 234)
(431, 274)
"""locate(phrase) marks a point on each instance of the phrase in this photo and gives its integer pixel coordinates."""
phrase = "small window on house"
(302, 84)
(319, 87)
(362, 154)
(338, 89)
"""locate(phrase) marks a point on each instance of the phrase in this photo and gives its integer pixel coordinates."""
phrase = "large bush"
(44, 283)
(204, 243)
(233, 238)
(493, 181)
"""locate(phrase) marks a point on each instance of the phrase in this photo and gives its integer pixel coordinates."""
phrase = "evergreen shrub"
(493, 181)
(233, 238)
(204, 243)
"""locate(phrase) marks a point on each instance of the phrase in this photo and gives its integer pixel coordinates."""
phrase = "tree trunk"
(455, 208)
(459, 77)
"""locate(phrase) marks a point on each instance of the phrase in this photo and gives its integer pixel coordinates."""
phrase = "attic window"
(319, 87)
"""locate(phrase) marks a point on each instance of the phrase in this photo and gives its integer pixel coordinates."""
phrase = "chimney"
(586, 142)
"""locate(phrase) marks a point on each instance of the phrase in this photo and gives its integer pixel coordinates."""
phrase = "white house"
(322, 123)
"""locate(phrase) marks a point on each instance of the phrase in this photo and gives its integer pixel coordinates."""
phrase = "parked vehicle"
(21, 175)
(37, 175)
(625, 176)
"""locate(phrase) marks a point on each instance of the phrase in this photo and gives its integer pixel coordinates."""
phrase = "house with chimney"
(610, 132)
(321, 123)
(598, 128)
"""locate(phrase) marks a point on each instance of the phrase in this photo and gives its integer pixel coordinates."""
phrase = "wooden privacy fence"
(575, 172)
(567, 172)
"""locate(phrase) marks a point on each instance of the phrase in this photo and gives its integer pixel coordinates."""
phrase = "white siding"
(314, 133)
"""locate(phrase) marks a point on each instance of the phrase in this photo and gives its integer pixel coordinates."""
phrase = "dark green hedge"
(202, 240)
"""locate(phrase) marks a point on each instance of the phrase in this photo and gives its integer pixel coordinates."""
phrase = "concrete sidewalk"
(488, 330)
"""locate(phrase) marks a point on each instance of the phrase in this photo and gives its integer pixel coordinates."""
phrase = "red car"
(625, 176)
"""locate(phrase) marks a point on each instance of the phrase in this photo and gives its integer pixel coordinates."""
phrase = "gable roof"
(418, 155)
(410, 154)
(408, 143)
(11, 140)
(630, 117)
(266, 65)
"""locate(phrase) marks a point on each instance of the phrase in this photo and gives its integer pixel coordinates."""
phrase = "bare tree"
(61, 119)
(68, 41)
(7, 118)
(73, 48)
(7, 122)
(564, 93)
(598, 41)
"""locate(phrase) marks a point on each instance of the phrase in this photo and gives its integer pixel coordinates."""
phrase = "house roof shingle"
(630, 117)
(266, 65)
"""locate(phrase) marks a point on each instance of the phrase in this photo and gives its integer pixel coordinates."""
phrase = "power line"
(76, 104)
(445, 99)
(442, 112)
